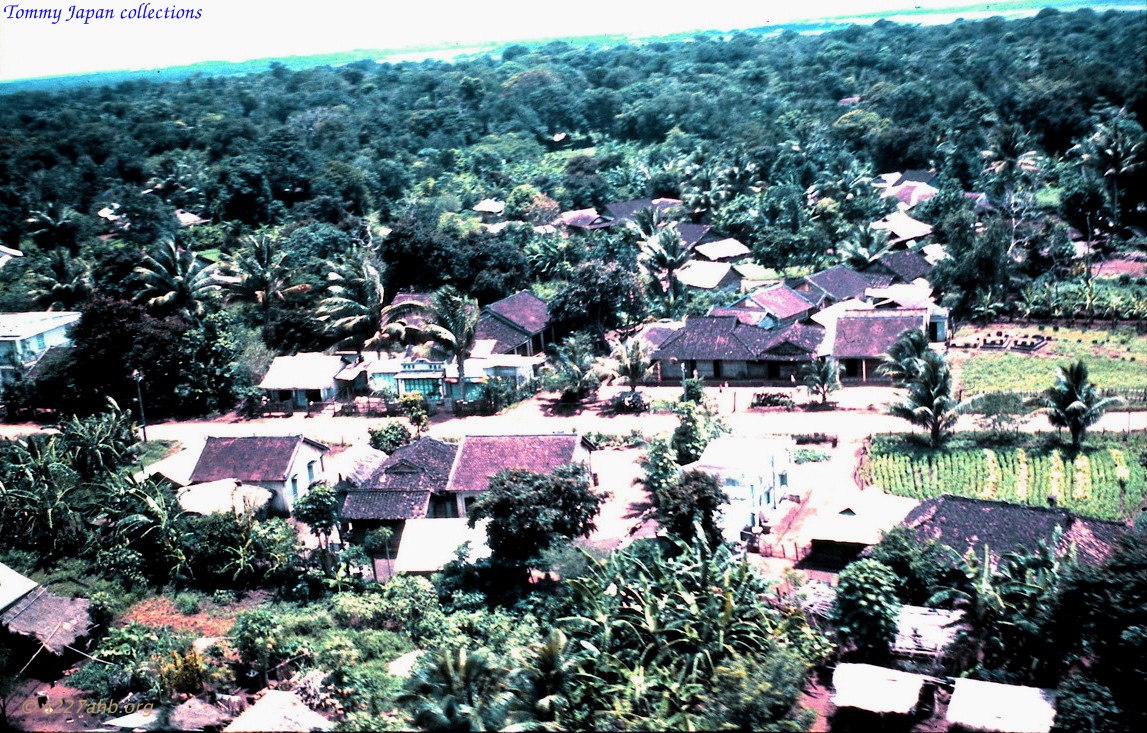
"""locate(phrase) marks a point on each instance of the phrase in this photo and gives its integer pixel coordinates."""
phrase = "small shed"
(279, 710)
(924, 631)
(999, 708)
(429, 544)
(878, 690)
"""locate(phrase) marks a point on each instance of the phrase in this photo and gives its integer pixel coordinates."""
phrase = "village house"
(773, 306)
(517, 324)
(285, 465)
(436, 379)
(830, 286)
(295, 382)
(723, 250)
(862, 337)
(723, 348)
(26, 337)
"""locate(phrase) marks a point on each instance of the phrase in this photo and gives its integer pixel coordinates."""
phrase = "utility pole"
(139, 398)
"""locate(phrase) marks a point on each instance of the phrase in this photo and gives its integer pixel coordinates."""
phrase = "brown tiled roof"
(250, 459)
(691, 234)
(724, 337)
(869, 333)
(906, 265)
(506, 336)
(964, 523)
(482, 456)
(839, 283)
(779, 300)
(423, 465)
(385, 505)
(747, 317)
(523, 310)
(915, 176)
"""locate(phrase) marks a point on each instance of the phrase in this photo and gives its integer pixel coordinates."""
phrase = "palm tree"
(902, 362)
(822, 377)
(55, 226)
(1073, 402)
(632, 362)
(1114, 150)
(664, 255)
(1011, 156)
(451, 323)
(260, 275)
(540, 685)
(352, 309)
(461, 690)
(929, 403)
(176, 280)
(863, 247)
(65, 284)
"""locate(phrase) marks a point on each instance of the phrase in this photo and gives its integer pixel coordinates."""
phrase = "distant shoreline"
(453, 52)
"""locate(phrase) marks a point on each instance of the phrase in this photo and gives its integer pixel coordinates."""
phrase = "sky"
(238, 30)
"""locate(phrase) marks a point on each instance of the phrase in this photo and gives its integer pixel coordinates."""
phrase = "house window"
(294, 487)
(314, 395)
(783, 478)
(38, 342)
(430, 388)
(311, 472)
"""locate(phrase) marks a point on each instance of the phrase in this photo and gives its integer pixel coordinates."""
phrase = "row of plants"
(1088, 299)
(1102, 480)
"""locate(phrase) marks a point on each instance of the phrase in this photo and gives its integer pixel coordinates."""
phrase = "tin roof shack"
(877, 698)
(36, 619)
(998, 708)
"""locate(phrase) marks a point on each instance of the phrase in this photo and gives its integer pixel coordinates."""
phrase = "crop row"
(1099, 482)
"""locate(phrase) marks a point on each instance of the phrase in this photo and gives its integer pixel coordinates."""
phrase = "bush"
(389, 436)
(693, 389)
(186, 603)
(773, 399)
(628, 403)
(633, 439)
(810, 455)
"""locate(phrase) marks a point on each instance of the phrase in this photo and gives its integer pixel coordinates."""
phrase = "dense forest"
(369, 171)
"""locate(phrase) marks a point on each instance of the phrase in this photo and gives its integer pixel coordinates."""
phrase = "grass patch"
(1025, 473)
(1116, 359)
(155, 450)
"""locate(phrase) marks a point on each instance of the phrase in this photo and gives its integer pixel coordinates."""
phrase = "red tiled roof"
(423, 465)
(524, 310)
(482, 456)
(779, 301)
(506, 336)
(250, 459)
(868, 334)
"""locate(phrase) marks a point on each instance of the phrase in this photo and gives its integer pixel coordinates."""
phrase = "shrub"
(628, 403)
(773, 399)
(186, 603)
(634, 439)
(389, 436)
(810, 455)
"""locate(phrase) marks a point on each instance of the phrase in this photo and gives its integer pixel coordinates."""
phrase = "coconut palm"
(176, 281)
(259, 274)
(863, 247)
(929, 403)
(902, 362)
(460, 690)
(663, 256)
(822, 377)
(352, 308)
(1011, 156)
(540, 686)
(1114, 150)
(64, 284)
(57, 225)
(450, 322)
(632, 362)
(1073, 402)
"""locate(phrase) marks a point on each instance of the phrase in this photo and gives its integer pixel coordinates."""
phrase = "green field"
(1116, 359)
(1088, 484)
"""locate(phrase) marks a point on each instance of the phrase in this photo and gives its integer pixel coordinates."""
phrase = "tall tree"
(64, 283)
(352, 308)
(1073, 402)
(822, 377)
(632, 362)
(865, 609)
(260, 274)
(1115, 151)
